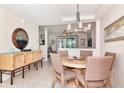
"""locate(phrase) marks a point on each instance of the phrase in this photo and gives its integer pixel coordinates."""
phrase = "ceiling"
(54, 14)
(56, 29)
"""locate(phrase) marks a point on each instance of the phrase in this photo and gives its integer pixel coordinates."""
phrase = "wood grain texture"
(11, 61)
(75, 63)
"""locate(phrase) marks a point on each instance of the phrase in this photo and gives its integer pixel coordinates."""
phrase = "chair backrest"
(113, 55)
(56, 63)
(85, 54)
(63, 53)
(98, 68)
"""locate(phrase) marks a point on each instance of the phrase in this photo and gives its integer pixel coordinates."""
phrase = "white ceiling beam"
(87, 17)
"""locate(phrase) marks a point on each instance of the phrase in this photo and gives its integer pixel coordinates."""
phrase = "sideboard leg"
(41, 63)
(12, 77)
(23, 72)
(29, 66)
(36, 63)
(0, 76)
(13, 73)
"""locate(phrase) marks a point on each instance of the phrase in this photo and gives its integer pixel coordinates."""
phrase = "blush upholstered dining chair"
(63, 53)
(110, 72)
(97, 71)
(59, 72)
(113, 56)
(85, 54)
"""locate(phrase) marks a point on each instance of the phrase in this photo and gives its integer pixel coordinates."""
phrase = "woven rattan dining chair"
(97, 71)
(59, 72)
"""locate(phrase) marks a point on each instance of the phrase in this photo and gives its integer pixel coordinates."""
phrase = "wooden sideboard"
(19, 61)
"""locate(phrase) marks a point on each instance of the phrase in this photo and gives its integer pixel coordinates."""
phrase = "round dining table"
(74, 62)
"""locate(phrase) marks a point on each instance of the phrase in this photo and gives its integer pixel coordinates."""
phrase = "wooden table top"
(74, 63)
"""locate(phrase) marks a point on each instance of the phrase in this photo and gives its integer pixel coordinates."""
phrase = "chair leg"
(106, 84)
(29, 66)
(12, 77)
(54, 80)
(13, 73)
(109, 81)
(23, 72)
(36, 65)
(0, 75)
(62, 81)
(86, 85)
(76, 82)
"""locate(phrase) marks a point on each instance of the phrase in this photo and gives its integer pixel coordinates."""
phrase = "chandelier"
(78, 26)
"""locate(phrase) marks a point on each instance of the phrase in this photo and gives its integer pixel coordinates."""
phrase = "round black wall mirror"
(20, 38)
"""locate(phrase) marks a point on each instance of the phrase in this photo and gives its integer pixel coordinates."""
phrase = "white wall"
(8, 23)
(117, 47)
(97, 51)
(44, 48)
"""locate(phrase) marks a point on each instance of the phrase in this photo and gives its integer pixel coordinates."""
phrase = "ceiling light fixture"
(78, 26)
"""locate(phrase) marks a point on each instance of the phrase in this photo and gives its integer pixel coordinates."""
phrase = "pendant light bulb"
(69, 27)
(80, 25)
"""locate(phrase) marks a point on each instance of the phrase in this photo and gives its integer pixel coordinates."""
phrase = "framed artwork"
(115, 31)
